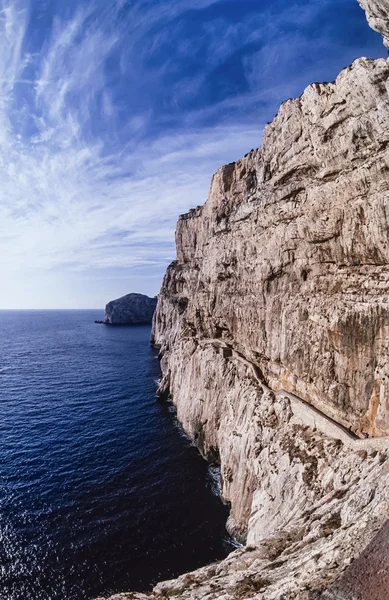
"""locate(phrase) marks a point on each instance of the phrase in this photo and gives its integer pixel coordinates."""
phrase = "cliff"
(273, 328)
(287, 262)
(132, 309)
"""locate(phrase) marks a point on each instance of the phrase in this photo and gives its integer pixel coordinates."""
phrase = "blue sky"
(114, 116)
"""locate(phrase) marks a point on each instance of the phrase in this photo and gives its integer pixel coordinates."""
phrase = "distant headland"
(132, 309)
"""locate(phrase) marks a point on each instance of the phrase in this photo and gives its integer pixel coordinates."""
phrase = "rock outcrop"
(377, 14)
(273, 328)
(132, 309)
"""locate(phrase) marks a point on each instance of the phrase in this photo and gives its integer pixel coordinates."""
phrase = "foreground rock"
(273, 327)
(368, 576)
(132, 309)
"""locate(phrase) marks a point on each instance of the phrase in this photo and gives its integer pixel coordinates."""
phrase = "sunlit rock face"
(288, 259)
(132, 309)
(285, 270)
(286, 266)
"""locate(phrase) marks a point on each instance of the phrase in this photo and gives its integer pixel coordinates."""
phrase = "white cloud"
(60, 194)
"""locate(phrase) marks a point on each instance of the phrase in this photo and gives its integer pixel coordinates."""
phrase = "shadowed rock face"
(132, 309)
(368, 577)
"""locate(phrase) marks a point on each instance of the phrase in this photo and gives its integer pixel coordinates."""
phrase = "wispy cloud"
(113, 117)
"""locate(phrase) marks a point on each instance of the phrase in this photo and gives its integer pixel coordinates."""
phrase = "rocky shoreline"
(273, 329)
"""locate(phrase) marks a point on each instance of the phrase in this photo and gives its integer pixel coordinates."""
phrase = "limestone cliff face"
(287, 266)
(273, 327)
(287, 261)
(280, 289)
(132, 309)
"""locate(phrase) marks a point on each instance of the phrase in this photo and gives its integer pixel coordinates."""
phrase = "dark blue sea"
(100, 491)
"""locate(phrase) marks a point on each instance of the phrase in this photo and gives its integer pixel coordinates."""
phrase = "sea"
(100, 490)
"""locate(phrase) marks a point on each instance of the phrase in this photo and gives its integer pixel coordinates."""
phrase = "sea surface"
(100, 491)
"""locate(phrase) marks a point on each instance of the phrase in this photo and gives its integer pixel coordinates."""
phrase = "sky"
(114, 116)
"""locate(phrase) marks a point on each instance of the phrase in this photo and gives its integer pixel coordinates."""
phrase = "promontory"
(132, 309)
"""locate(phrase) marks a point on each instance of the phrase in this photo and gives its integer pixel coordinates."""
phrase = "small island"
(132, 309)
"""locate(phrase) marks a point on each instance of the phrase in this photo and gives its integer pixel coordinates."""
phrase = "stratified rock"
(287, 266)
(132, 309)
